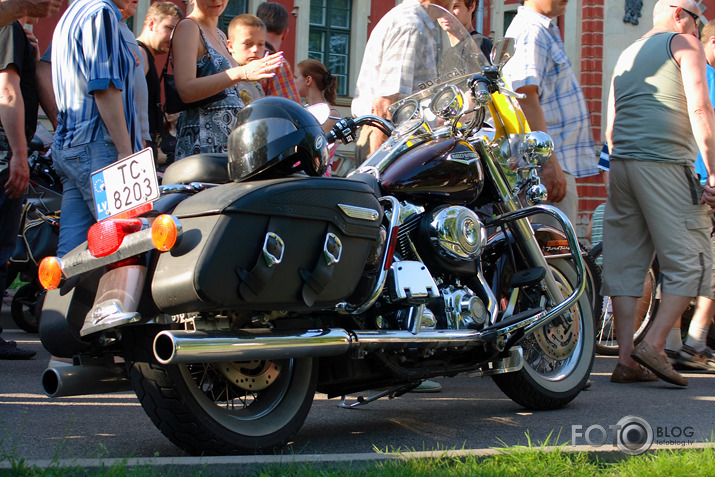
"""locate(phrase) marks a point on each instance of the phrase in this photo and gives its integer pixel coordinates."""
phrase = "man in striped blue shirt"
(97, 123)
(554, 101)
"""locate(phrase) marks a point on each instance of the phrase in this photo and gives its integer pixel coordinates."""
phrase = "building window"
(508, 18)
(329, 38)
(234, 7)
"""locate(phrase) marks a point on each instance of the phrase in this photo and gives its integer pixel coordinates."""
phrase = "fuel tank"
(445, 170)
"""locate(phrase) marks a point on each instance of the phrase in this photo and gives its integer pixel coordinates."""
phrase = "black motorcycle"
(255, 281)
(37, 238)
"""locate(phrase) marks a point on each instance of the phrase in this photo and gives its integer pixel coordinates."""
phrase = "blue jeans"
(75, 165)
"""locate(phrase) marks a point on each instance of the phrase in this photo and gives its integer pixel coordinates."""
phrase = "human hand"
(34, 42)
(554, 180)
(709, 192)
(121, 154)
(16, 184)
(262, 68)
(40, 8)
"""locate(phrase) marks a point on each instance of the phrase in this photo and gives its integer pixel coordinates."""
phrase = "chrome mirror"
(502, 50)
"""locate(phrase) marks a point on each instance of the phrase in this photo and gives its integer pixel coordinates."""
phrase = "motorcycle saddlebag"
(292, 244)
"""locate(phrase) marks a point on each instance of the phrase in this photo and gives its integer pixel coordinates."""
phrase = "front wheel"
(222, 408)
(557, 357)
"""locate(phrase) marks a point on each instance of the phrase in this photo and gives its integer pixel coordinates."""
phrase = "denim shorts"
(75, 165)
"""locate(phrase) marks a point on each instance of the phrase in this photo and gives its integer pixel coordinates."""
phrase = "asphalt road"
(469, 413)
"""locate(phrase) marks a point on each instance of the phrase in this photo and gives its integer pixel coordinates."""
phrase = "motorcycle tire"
(26, 307)
(547, 382)
(188, 404)
(606, 343)
(593, 282)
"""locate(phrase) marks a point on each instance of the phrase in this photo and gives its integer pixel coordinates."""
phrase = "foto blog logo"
(632, 435)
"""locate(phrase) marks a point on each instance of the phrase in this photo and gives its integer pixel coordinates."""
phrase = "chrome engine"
(457, 234)
(464, 309)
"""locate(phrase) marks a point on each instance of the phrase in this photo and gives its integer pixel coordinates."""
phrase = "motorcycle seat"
(368, 179)
(210, 167)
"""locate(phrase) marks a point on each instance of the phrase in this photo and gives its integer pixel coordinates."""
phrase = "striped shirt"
(89, 54)
(400, 54)
(282, 84)
(541, 60)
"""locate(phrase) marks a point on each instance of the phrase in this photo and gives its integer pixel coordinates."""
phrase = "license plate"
(124, 185)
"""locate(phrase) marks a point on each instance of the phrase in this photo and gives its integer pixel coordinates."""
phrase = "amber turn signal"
(165, 232)
(50, 272)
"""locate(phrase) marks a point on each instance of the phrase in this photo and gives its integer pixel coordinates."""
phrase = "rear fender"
(63, 315)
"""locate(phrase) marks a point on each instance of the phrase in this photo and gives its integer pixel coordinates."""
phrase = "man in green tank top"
(659, 116)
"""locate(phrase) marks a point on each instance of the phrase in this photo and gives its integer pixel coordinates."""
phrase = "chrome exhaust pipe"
(81, 380)
(171, 347)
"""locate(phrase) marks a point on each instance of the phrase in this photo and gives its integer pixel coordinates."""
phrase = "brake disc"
(254, 375)
(559, 337)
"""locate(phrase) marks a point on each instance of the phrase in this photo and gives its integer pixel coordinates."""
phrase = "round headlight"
(458, 233)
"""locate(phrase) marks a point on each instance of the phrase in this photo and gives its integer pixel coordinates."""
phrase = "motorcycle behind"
(256, 281)
(37, 238)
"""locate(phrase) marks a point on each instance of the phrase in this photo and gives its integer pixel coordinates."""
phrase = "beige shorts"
(654, 208)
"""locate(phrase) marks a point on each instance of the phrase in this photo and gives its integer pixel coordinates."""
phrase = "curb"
(221, 465)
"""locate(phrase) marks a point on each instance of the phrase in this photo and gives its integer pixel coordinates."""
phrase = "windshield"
(447, 53)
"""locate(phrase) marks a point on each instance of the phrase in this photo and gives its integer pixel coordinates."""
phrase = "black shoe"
(9, 350)
(11, 344)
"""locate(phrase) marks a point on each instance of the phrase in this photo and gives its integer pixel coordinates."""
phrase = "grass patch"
(519, 462)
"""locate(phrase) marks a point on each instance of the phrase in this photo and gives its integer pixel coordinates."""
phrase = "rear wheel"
(222, 408)
(606, 342)
(557, 357)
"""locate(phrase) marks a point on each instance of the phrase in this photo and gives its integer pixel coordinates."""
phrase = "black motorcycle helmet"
(276, 136)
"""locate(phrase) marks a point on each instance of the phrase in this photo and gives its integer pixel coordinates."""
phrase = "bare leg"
(624, 316)
(669, 311)
(704, 312)
(695, 352)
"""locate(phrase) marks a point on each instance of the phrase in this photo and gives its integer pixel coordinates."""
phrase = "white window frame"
(358, 35)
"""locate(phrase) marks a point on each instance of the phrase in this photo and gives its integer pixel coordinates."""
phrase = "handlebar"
(482, 88)
(486, 83)
(345, 129)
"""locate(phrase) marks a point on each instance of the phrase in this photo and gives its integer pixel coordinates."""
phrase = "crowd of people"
(104, 101)
(100, 88)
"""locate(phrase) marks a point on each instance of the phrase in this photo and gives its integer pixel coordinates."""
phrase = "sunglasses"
(695, 16)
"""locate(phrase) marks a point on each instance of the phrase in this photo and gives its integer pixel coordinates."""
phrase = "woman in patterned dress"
(203, 67)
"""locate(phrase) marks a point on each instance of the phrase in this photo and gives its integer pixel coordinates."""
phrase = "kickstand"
(392, 393)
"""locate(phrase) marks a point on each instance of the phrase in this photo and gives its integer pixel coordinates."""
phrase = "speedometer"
(405, 111)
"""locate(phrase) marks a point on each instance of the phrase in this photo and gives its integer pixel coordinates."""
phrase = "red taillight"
(391, 247)
(105, 237)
